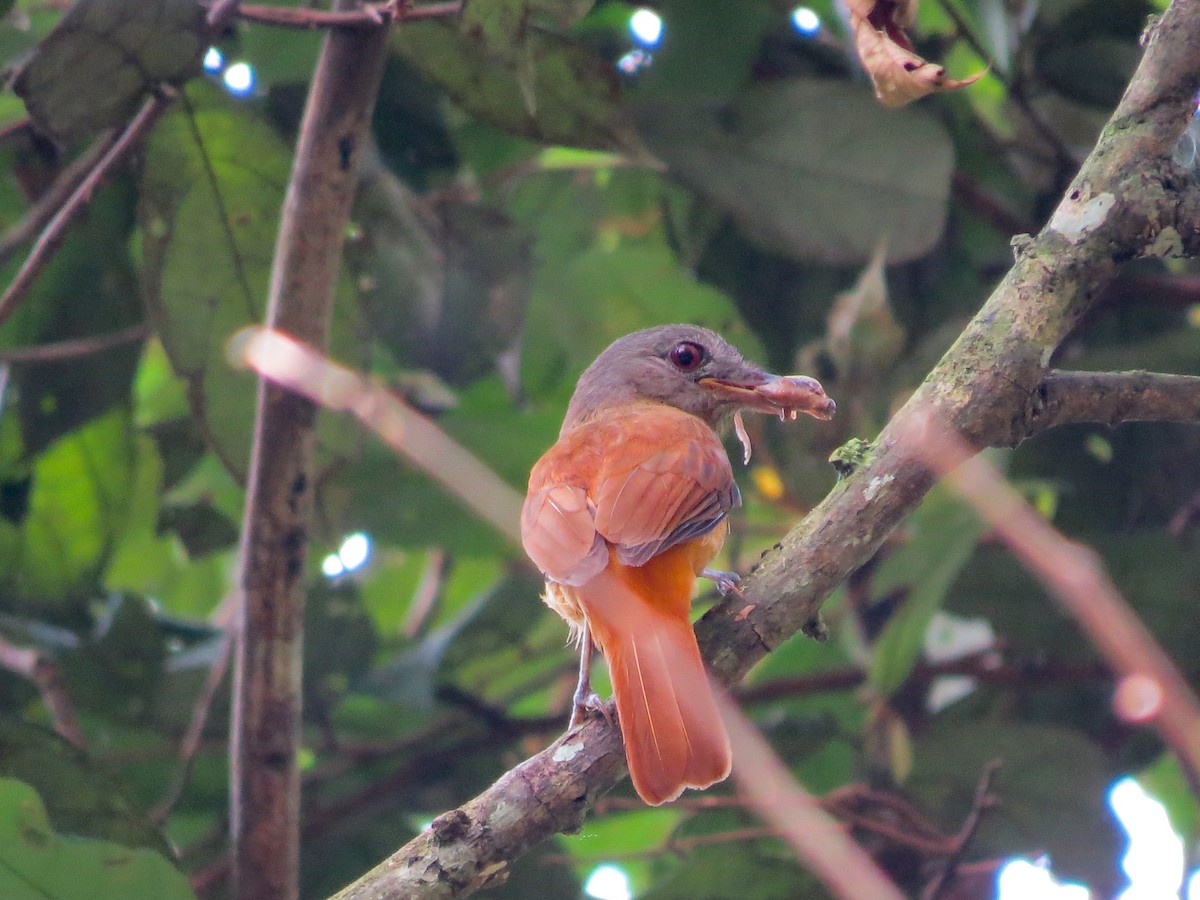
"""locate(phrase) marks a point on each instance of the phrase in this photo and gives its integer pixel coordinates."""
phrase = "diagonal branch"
(55, 232)
(1127, 201)
(54, 198)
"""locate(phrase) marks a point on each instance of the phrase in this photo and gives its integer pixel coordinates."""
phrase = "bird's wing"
(674, 484)
(641, 480)
(559, 533)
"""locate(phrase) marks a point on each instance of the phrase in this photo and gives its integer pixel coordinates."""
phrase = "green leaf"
(813, 169)
(574, 92)
(35, 862)
(749, 873)
(613, 290)
(81, 797)
(78, 500)
(707, 49)
(1167, 783)
(621, 835)
(53, 397)
(941, 537)
(200, 287)
(104, 56)
(444, 284)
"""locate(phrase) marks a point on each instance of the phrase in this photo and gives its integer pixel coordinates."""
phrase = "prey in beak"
(783, 395)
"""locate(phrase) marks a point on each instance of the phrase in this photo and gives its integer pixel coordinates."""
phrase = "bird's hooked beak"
(783, 395)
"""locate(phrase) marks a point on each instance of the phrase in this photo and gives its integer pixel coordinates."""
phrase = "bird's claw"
(587, 704)
(727, 582)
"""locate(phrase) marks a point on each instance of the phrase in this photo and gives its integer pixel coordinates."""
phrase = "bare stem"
(265, 782)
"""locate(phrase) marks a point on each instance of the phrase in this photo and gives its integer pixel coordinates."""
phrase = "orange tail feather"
(674, 737)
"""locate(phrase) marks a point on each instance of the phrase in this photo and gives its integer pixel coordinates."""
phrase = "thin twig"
(75, 347)
(982, 802)
(967, 33)
(56, 230)
(220, 13)
(1016, 88)
(53, 199)
(991, 209)
(10, 130)
(44, 672)
(193, 737)
(429, 588)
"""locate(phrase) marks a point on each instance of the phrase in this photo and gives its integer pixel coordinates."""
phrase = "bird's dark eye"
(687, 356)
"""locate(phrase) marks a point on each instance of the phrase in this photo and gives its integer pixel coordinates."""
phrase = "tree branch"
(53, 199)
(1124, 203)
(56, 229)
(369, 16)
(75, 347)
(265, 777)
(44, 672)
(1071, 398)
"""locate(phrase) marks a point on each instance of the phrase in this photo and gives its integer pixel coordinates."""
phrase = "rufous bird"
(627, 509)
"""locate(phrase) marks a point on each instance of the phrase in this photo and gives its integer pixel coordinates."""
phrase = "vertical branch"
(265, 780)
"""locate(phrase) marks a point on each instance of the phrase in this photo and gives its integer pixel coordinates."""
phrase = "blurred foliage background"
(544, 180)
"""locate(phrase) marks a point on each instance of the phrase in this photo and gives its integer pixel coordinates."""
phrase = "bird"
(626, 510)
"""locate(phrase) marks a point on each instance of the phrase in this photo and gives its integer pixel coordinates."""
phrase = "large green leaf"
(207, 254)
(443, 281)
(81, 797)
(707, 48)
(812, 168)
(559, 93)
(104, 57)
(36, 863)
(940, 538)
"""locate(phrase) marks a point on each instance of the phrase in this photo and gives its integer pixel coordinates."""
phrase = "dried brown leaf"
(897, 72)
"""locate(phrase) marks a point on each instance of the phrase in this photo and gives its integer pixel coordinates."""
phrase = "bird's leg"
(727, 582)
(586, 700)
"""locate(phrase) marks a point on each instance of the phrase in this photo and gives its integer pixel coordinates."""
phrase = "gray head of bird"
(695, 370)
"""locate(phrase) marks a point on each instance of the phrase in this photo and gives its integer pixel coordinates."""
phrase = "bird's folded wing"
(641, 482)
(679, 492)
(560, 536)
